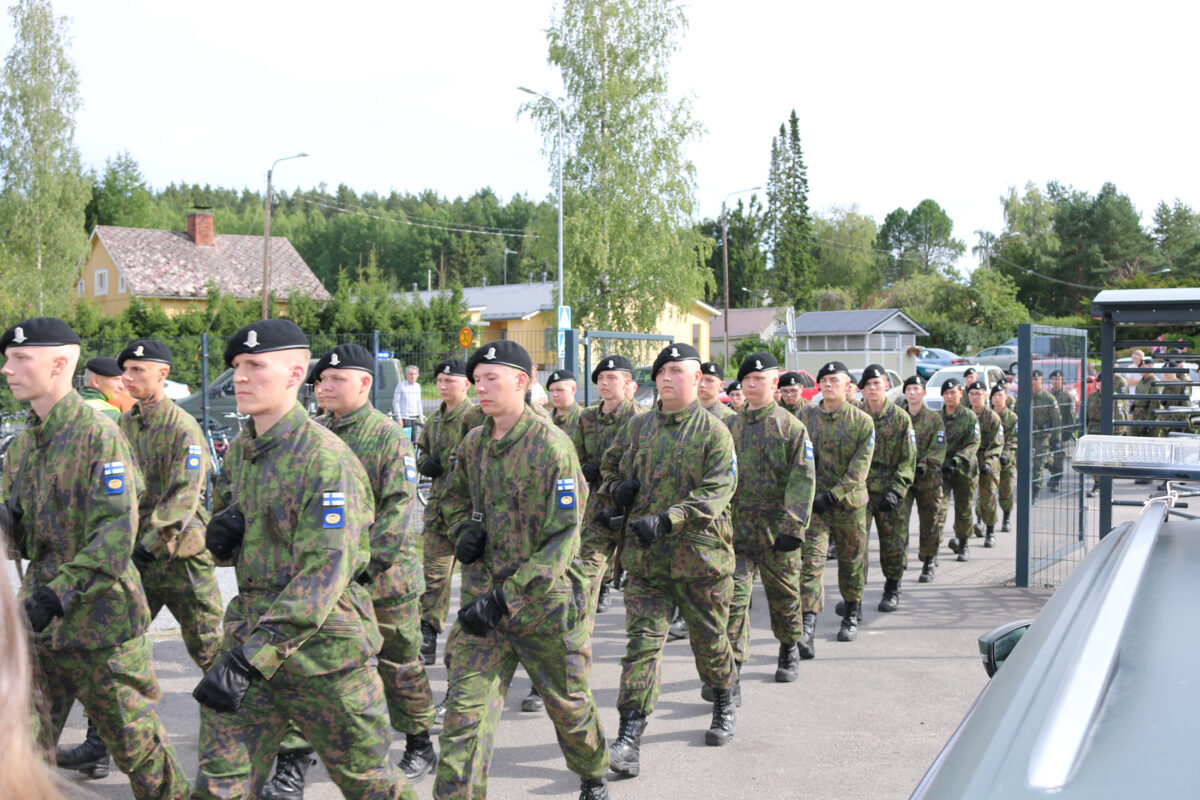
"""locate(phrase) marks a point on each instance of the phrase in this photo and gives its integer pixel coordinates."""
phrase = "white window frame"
(122, 287)
(100, 285)
(81, 286)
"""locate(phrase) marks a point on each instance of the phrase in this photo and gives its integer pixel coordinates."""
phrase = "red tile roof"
(168, 264)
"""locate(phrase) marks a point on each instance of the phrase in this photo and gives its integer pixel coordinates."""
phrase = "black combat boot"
(1004, 525)
(533, 701)
(989, 538)
(806, 648)
(977, 529)
(1053, 487)
(419, 756)
(624, 756)
(288, 782)
(849, 630)
(724, 720)
(840, 610)
(679, 628)
(91, 758)
(593, 789)
(788, 667)
(1034, 496)
(963, 550)
(891, 595)
(428, 644)
(927, 570)
(831, 552)
(603, 601)
(706, 691)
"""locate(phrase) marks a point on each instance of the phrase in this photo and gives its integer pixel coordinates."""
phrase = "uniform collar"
(500, 447)
(286, 425)
(670, 418)
(355, 416)
(59, 417)
(617, 413)
(753, 416)
(144, 411)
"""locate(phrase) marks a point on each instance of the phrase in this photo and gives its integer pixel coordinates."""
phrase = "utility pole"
(266, 290)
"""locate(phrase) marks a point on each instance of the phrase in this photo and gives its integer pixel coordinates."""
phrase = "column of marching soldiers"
(342, 595)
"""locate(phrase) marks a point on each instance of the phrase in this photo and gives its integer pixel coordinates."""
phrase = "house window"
(696, 335)
(121, 287)
(79, 287)
(101, 282)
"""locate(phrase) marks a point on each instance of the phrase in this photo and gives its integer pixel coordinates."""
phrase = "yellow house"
(175, 268)
(525, 313)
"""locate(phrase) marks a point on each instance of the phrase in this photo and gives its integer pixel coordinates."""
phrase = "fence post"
(208, 495)
(1024, 448)
(572, 347)
(375, 370)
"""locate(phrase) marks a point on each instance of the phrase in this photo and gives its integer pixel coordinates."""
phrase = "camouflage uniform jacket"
(687, 468)
(844, 443)
(1066, 407)
(595, 433)
(777, 480)
(895, 459)
(723, 412)
(525, 489)
(1046, 418)
(1008, 421)
(78, 488)
(794, 409)
(96, 399)
(931, 447)
(962, 440)
(308, 509)
(440, 437)
(1093, 413)
(991, 438)
(567, 420)
(388, 457)
(173, 460)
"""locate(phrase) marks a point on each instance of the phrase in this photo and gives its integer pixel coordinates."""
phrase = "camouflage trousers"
(342, 714)
(549, 637)
(119, 690)
(781, 582)
(1007, 485)
(892, 529)
(596, 553)
(988, 486)
(650, 605)
(405, 684)
(1041, 455)
(928, 499)
(438, 562)
(848, 527)
(962, 490)
(188, 588)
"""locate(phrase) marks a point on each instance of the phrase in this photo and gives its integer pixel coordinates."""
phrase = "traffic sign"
(465, 337)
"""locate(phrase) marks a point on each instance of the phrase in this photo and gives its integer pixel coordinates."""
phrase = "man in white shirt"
(406, 401)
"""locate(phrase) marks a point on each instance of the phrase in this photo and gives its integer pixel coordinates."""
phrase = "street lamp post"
(725, 260)
(559, 118)
(507, 253)
(266, 291)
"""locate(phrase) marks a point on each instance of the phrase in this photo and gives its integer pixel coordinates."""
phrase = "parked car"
(933, 388)
(176, 390)
(809, 390)
(931, 359)
(895, 391)
(1095, 697)
(1003, 356)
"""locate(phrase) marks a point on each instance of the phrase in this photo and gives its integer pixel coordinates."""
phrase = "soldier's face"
(709, 389)
(678, 383)
(452, 389)
(562, 394)
(1056, 383)
(111, 387)
(978, 398)
(952, 397)
(737, 399)
(1036, 383)
(914, 394)
(834, 386)
(341, 391)
(759, 387)
(144, 379)
(875, 390)
(611, 383)
(790, 394)
(28, 371)
(500, 389)
(263, 383)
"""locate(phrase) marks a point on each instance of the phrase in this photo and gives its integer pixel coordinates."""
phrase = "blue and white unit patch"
(941, 437)
(410, 469)
(114, 477)
(333, 510)
(193, 457)
(808, 450)
(565, 494)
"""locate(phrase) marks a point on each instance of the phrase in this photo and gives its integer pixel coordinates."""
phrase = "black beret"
(104, 366)
(999, 388)
(144, 350)
(38, 332)
(914, 380)
(560, 375)
(872, 371)
(1037, 373)
(505, 352)
(952, 383)
(831, 368)
(1056, 374)
(344, 356)
(451, 366)
(977, 386)
(970, 371)
(265, 336)
(618, 363)
(672, 353)
(712, 368)
(733, 386)
(757, 362)
(789, 379)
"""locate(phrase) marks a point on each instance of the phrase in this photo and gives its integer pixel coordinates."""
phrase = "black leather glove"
(483, 613)
(223, 688)
(985, 468)
(591, 471)
(430, 467)
(374, 570)
(611, 518)
(786, 543)
(823, 502)
(142, 557)
(920, 471)
(947, 471)
(890, 500)
(41, 607)
(9, 517)
(469, 545)
(625, 492)
(1004, 460)
(649, 528)
(224, 532)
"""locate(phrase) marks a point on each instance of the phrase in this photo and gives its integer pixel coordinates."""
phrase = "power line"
(489, 228)
(501, 232)
(1047, 277)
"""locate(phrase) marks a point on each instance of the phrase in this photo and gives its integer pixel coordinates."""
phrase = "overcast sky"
(897, 102)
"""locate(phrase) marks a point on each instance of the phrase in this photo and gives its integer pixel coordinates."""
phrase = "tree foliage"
(845, 255)
(919, 242)
(789, 225)
(747, 260)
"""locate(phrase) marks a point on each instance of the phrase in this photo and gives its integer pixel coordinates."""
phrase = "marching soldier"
(102, 382)
(712, 378)
(926, 489)
(1007, 481)
(1066, 431)
(737, 398)
(960, 472)
(70, 498)
(676, 479)
(987, 458)
(892, 468)
(513, 503)
(561, 387)
(790, 396)
(771, 509)
(1046, 422)
(843, 438)
(295, 520)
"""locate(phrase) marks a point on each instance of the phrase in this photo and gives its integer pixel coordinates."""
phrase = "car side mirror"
(996, 645)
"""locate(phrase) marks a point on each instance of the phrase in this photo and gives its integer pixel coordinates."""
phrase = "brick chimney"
(200, 227)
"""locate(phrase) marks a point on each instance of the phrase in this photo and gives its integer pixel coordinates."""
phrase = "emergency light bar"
(1138, 457)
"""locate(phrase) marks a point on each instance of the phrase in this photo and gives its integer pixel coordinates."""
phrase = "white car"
(176, 390)
(990, 375)
(895, 391)
(1003, 356)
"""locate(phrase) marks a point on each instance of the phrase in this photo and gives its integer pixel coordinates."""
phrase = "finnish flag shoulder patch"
(565, 493)
(333, 510)
(192, 460)
(410, 469)
(912, 437)
(808, 450)
(941, 437)
(114, 477)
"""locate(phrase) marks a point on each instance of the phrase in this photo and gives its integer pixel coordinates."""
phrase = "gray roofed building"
(502, 301)
(858, 338)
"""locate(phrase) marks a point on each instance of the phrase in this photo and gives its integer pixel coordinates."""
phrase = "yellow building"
(175, 268)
